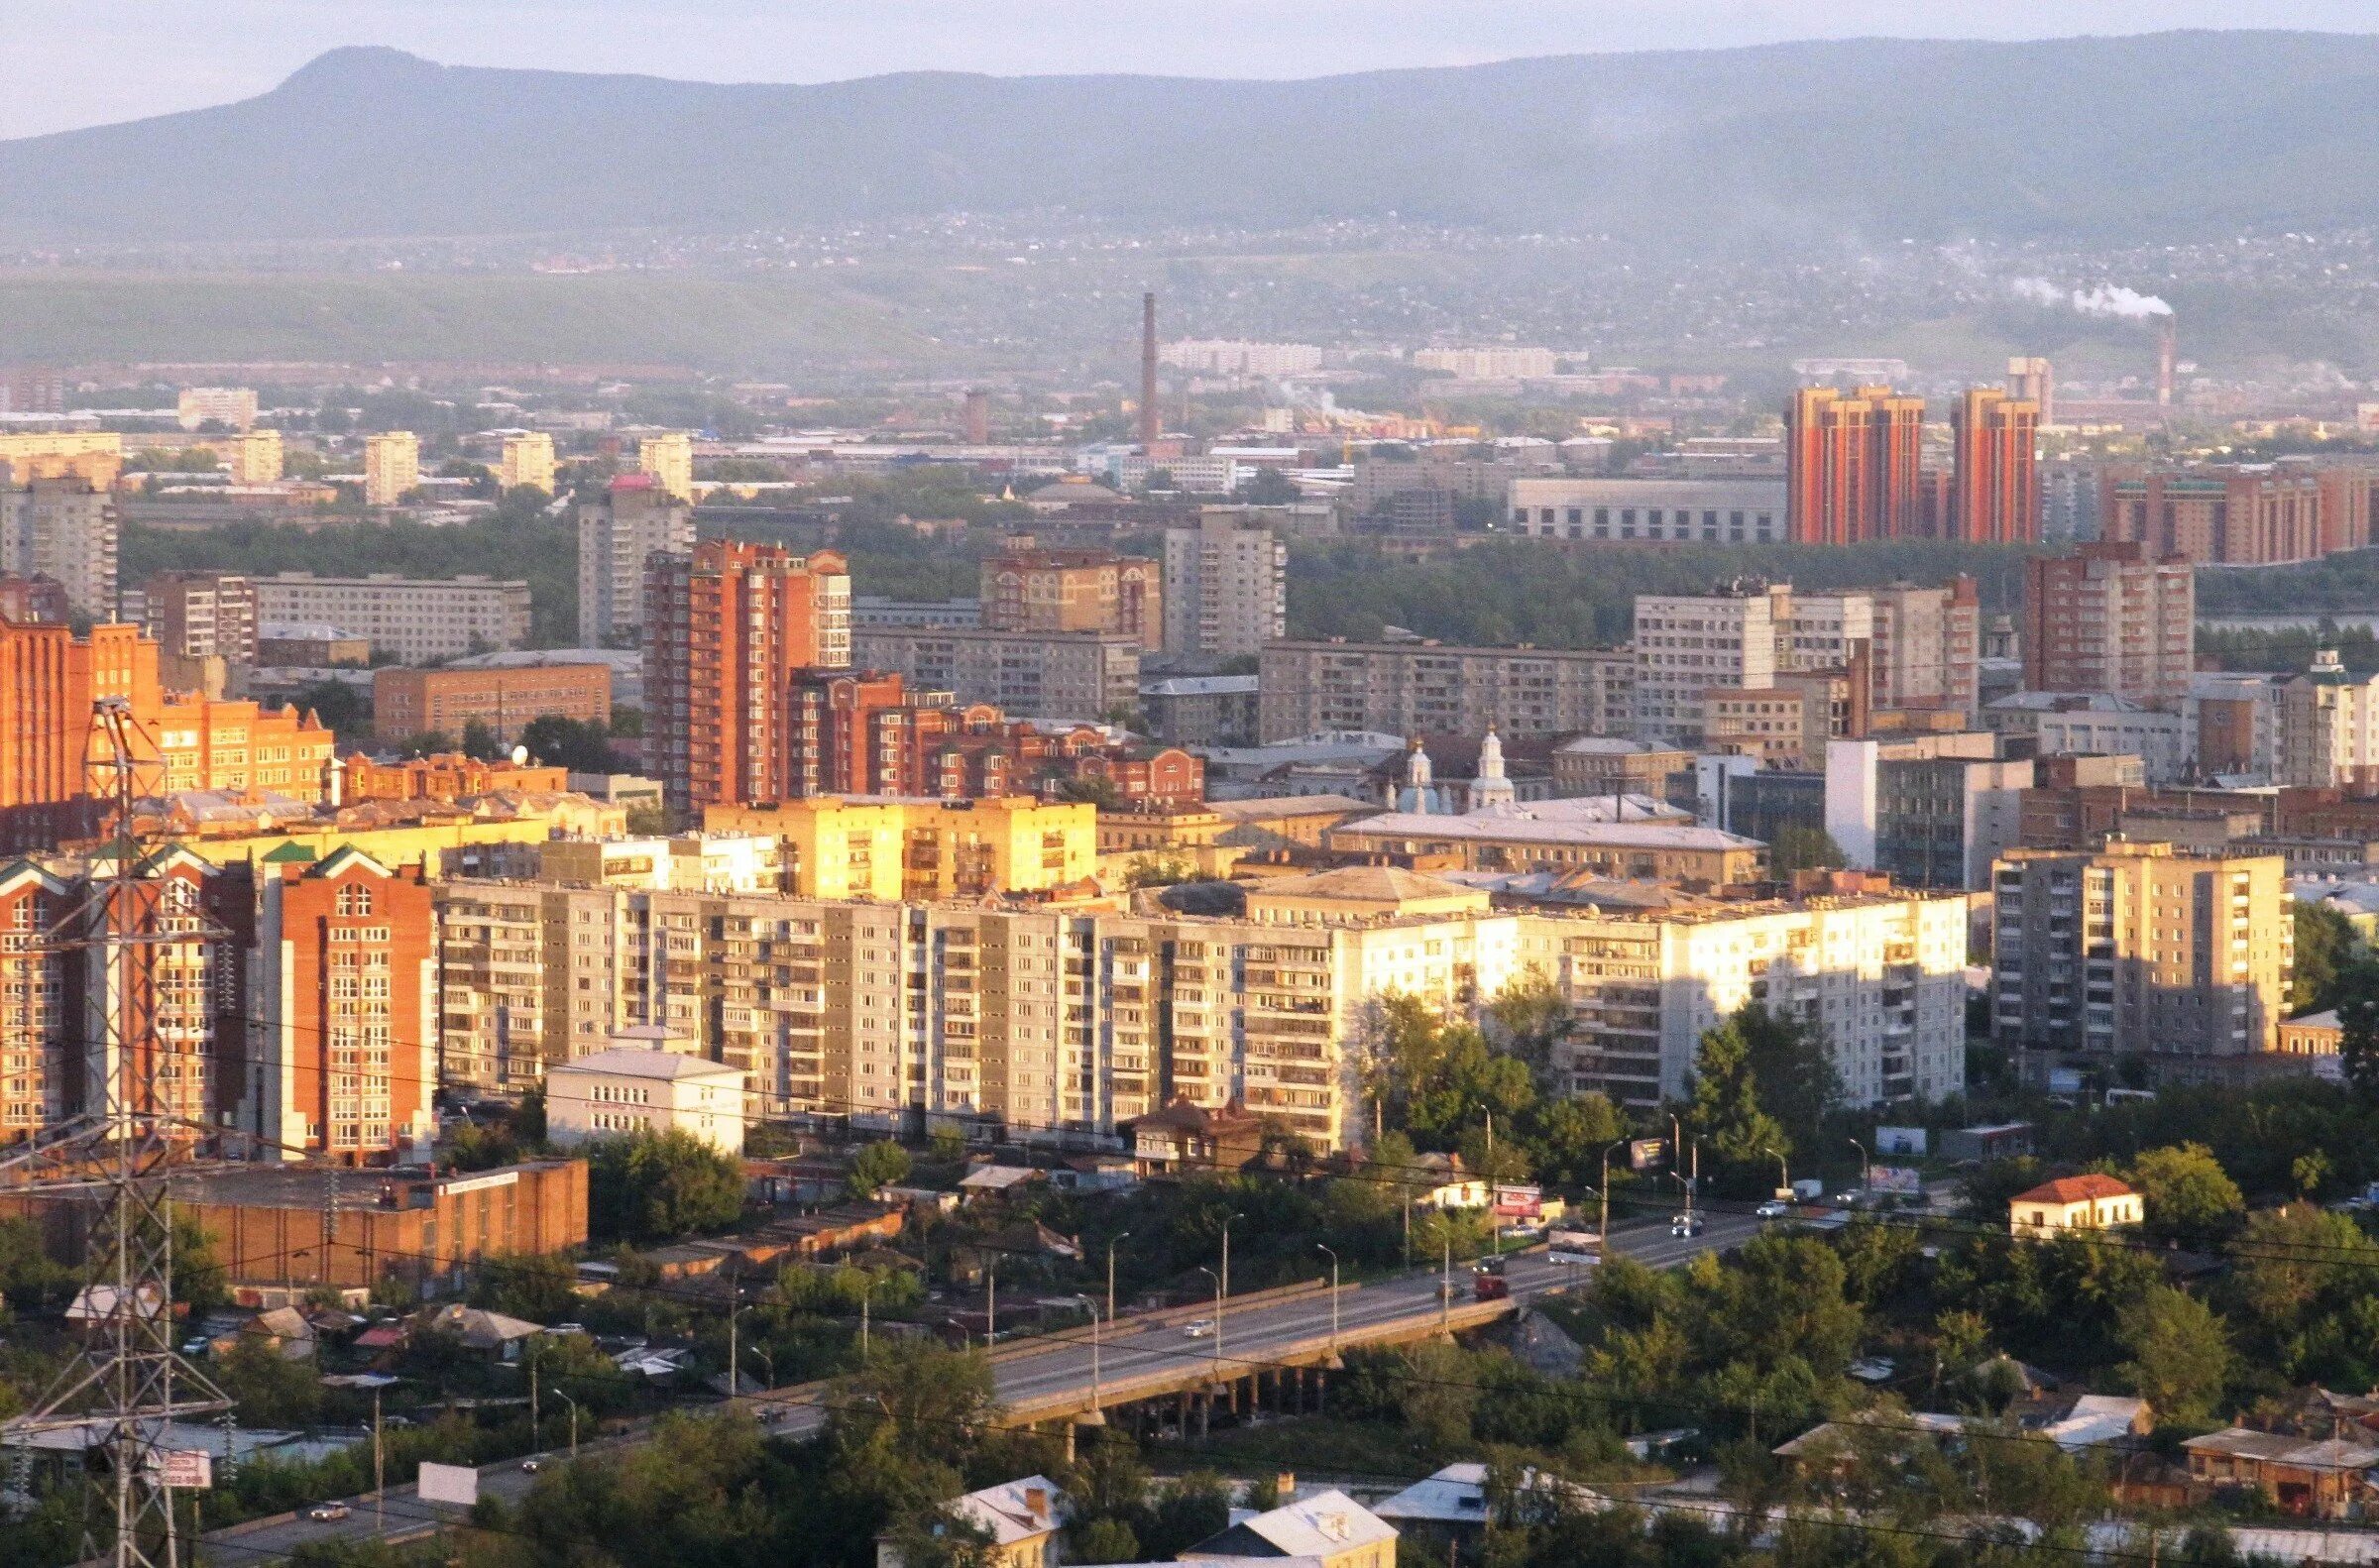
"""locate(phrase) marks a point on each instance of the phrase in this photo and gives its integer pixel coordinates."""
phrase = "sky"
(74, 62)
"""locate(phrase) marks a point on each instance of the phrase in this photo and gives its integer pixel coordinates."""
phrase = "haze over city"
(1346, 786)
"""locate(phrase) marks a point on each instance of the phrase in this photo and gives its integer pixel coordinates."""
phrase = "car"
(325, 1513)
(1202, 1329)
(532, 1466)
(196, 1345)
(1685, 1225)
(1854, 1198)
(1773, 1208)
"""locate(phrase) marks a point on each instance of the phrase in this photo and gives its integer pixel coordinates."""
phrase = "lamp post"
(1334, 1362)
(1784, 1171)
(768, 1361)
(1603, 1233)
(991, 1303)
(1866, 1168)
(572, 1403)
(1218, 1278)
(1111, 1241)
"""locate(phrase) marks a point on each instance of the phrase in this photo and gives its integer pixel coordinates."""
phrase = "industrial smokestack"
(1152, 425)
(2166, 345)
(978, 417)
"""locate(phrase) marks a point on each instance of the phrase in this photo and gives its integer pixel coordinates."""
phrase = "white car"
(1773, 1208)
(326, 1512)
(532, 1466)
(1202, 1329)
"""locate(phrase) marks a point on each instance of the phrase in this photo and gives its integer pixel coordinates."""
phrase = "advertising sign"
(1906, 1181)
(191, 1468)
(1900, 1140)
(1519, 1202)
(456, 1483)
(1644, 1153)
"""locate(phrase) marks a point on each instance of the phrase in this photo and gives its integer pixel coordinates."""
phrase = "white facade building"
(418, 618)
(1226, 586)
(620, 1092)
(1650, 511)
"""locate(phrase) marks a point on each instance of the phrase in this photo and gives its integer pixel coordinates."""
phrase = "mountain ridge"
(2119, 139)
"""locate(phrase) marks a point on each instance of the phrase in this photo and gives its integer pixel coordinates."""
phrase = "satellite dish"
(519, 757)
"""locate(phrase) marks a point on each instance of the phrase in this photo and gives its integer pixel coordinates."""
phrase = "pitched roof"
(1371, 883)
(633, 1063)
(1321, 1525)
(1016, 1510)
(2076, 1189)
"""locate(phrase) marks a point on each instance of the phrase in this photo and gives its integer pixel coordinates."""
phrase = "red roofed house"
(2083, 1202)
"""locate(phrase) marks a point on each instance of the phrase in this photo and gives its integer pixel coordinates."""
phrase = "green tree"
(479, 740)
(539, 1287)
(2326, 948)
(1721, 1097)
(648, 1187)
(347, 711)
(2180, 1354)
(1268, 487)
(1802, 849)
(2186, 1193)
(578, 745)
(1187, 1511)
(1106, 1540)
(1527, 1019)
(270, 1388)
(2357, 992)
(879, 1166)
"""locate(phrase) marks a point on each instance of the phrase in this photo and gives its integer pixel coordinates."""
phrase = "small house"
(2324, 1478)
(2082, 1203)
(1020, 1517)
(1329, 1526)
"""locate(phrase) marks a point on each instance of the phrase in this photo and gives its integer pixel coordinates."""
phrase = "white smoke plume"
(2106, 300)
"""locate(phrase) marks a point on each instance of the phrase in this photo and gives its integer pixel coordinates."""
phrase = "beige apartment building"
(391, 467)
(1226, 586)
(255, 457)
(2177, 958)
(66, 528)
(669, 459)
(633, 520)
(1428, 688)
(418, 618)
(527, 460)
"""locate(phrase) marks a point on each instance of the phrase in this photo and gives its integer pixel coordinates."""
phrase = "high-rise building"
(724, 628)
(2329, 727)
(96, 457)
(1852, 464)
(32, 388)
(254, 458)
(203, 615)
(48, 679)
(391, 467)
(1029, 589)
(634, 518)
(1425, 688)
(2033, 380)
(62, 527)
(922, 849)
(1687, 644)
(977, 417)
(1929, 810)
(2241, 514)
(527, 461)
(234, 406)
(669, 459)
(1226, 586)
(2109, 617)
(36, 1071)
(344, 1054)
(2142, 951)
(1995, 497)
(214, 744)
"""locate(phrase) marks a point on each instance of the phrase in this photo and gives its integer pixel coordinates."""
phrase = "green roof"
(290, 854)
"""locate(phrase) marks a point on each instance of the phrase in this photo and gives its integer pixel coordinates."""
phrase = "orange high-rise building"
(211, 743)
(48, 679)
(724, 628)
(345, 1054)
(1994, 494)
(35, 1071)
(1852, 464)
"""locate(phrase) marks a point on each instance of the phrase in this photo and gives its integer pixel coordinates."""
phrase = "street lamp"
(572, 1403)
(1335, 1362)
(1603, 1235)
(1784, 1171)
(767, 1361)
(1111, 1241)
(1866, 1168)
(991, 1303)
(1218, 1278)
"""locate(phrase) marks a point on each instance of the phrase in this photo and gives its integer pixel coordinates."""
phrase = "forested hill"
(2166, 136)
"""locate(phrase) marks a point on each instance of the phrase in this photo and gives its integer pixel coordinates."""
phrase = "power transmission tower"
(141, 1116)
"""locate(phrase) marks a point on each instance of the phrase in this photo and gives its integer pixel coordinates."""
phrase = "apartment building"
(1929, 810)
(2246, 514)
(203, 615)
(1226, 586)
(343, 1058)
(66, 528)
(633, 520)
(1235, 357)
(507, 698)
(254, 458)
(1047, 592)
(1427, 688)
(49, 680)
(1619, 836)
(1614, 765)
(2109, 617)
(726, 629)
(1650, 511)
(37, 1070)
(2099, 724)
(1080, 675)
(669, 459)
(922, 849)
(416, 619)
(95, 457)
(1449, 470)
(1878, 976)
(212, 743)
(231, 406)
(527, 460)
(2327, 727)
(1995, 490)
(1688, 644)
(1494, 363)
(1852, 464)
(391, 467)
(2141, 952)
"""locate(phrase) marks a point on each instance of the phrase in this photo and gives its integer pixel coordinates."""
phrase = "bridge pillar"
(1321, 1392)
(1205, 1416)
(1187, 1398)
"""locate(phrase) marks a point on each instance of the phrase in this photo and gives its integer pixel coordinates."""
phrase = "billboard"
(190, 1468)
(1900, 1140)
(1906, 1181)
(1644, 1153)
(456, 1483)
(1519, 1202)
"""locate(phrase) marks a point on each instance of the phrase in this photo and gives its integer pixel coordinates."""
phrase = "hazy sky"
(72, 62)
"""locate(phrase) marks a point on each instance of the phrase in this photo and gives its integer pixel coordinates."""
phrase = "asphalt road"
(1251, 1340)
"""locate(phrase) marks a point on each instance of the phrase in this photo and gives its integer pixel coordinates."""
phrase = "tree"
(1723, 1098)
(1528, 1017)
(2186, 1193)
(479, 740)
(879, 1166)
(1186, 1512)
(1803, 848)
(2180, 1354)
(347, 711)
(577, 744)
(2358, 1025)
(2326, 948)
(539, 1287)
(658, 1187)
(1106, 1540)
(1268, 487)
(270, 1388)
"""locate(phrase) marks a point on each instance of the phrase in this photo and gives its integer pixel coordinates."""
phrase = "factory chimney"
(2165, 347)
(1152, 424)
(978, 417)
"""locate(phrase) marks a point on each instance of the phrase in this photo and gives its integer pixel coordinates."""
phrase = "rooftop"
(630, 1062)
(2076, 1189)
